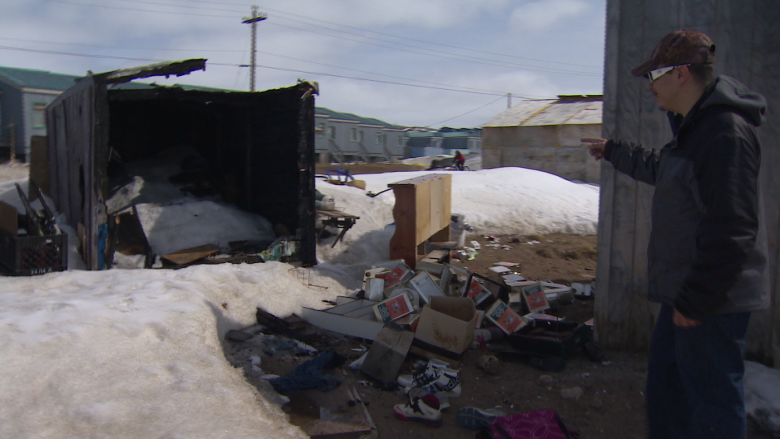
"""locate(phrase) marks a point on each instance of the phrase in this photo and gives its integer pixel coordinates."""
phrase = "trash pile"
(420, 323)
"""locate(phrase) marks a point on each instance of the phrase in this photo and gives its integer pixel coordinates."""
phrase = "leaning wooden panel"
(416, 218)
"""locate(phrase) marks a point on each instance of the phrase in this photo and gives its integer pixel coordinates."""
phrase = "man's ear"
(682, 74)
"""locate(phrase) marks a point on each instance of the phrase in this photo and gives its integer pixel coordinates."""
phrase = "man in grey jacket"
(707, 249)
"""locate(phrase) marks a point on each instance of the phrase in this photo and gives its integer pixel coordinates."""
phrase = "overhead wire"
(259, 51)
(444, 88)
(409, 48)
(468, 112)
(375, 32)
(437, 86)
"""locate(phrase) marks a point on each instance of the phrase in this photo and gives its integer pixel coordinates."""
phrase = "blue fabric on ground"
(307, 375)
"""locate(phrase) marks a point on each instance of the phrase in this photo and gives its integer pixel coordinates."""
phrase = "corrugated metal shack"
(747, 39)
(263, 141)
(544, 134)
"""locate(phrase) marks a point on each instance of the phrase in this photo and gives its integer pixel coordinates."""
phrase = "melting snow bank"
(762, 396)
(494, 201)
(125, 353)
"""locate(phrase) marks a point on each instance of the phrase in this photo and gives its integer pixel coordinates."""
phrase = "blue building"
(424, 143)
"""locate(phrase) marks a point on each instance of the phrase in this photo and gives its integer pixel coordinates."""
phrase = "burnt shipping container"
(257, 148)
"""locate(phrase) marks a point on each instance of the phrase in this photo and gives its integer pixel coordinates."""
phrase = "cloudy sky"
(410, 62)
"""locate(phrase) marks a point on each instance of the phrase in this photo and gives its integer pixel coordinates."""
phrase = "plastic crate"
(546, 337)
(31, 255)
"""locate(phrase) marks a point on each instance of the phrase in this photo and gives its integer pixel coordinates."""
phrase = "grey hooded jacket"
(707, 249)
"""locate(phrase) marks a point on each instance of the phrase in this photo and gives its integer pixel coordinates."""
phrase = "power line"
(214, 63)
(468, 112)
(430, 42)
(105, 46)
(378, 32)
(442, 54)
(443, 88)
(236, 51)
(447, 56)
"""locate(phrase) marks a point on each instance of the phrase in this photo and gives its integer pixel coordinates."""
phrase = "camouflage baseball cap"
(678, 48)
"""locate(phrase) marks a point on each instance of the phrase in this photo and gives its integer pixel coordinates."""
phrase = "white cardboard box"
(445, 328)
(425, 286)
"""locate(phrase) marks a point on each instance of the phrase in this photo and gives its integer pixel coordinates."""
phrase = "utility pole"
(253, 21)
(508, 100)
(12, 129)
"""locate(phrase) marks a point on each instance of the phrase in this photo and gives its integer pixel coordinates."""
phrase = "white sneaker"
(419, 392)
(423, 377)
(443, 383)
(424, 409)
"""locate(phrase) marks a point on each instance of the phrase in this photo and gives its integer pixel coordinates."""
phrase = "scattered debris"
(435, 312)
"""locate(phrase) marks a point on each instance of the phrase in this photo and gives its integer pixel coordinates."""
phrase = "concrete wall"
(551, 148)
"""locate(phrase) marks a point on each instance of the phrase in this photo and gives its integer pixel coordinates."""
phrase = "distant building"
(544, 134)
(340, 137)
(425, 143)
(24, 95)
(347, 138)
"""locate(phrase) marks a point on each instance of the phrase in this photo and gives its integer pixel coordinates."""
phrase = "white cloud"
(545, 13)
(558, 59)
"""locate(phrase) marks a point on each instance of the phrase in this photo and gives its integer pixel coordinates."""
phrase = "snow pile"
(138, 353)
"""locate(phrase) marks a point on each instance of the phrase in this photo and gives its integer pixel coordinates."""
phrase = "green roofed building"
(24, 95)
(348, 138)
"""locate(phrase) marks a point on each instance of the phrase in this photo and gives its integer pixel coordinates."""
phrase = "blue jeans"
(694, 378)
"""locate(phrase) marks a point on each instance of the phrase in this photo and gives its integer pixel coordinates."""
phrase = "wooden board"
(188, 255)
(422, 212)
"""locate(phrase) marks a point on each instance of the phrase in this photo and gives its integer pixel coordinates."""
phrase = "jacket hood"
(729, 91)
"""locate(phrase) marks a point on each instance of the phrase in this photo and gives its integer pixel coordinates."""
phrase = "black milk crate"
(31, 255)
(549, 337)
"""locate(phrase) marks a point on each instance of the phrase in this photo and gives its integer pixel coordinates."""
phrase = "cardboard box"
(477, 293)
(393, 308)
(425, 286)
(398, 275)
(503, 316)
(445, 328)
(484, 291)
(534, 297)
(388, 352)
(453, 280)
(374, 288)
(479, 319)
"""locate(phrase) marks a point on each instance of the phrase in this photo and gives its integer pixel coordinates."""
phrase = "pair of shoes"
(475, 418)
(424, 409)
(435, 378)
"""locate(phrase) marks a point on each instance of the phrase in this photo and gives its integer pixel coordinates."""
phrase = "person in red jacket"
(459, 160)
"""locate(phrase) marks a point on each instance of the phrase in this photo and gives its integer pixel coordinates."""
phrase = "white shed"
(544, 134)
